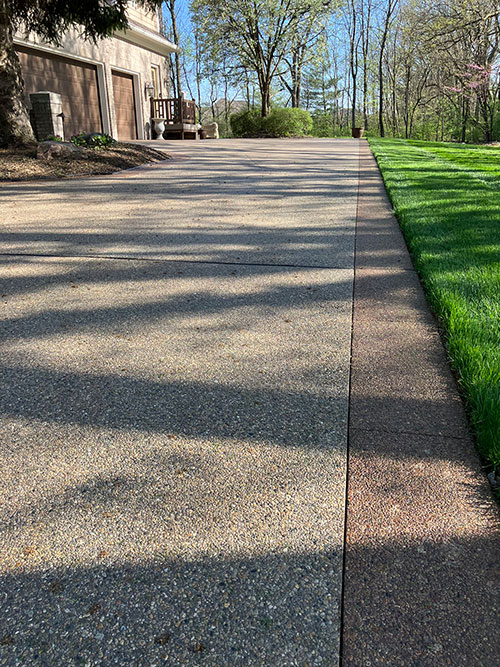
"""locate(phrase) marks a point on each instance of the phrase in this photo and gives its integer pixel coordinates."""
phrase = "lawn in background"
(447, 199)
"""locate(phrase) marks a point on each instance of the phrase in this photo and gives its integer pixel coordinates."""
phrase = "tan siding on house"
(142, 17)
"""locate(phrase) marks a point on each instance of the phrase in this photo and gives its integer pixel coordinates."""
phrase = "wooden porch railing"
(174, 110)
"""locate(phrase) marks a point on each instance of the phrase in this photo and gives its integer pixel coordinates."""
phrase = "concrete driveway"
(176, 347)
(183, 416)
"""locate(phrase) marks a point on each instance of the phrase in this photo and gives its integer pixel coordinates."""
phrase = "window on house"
(155, 78)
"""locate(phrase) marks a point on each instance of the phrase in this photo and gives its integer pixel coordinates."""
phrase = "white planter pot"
(158, 127)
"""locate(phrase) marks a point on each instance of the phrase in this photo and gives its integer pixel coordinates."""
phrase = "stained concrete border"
(422, 540)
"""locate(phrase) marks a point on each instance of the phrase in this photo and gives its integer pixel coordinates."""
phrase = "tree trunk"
(198, 74)
(487, 118)
(465, 119)
(365, 42)
(353, 61)
(395, 116)
(294, 100)
(171, 69)
(226, 106)
(175, 35)
(297, 62)
(323, 91)
(178, 74)
(297, 94)
(391, 5)
(15, 126)
(407, 98)
(247, 90)
(266, 103)
(365, 95)
(381, 92)
(265, 92)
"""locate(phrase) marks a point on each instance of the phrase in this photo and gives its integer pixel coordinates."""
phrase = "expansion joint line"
(160, 260)
(346, 497)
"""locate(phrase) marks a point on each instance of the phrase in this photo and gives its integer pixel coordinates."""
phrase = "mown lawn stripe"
(447, 199)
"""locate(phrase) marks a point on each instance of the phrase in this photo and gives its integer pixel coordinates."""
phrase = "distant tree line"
(425, 69)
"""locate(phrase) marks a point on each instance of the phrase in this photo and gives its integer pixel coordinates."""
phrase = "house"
(217, 110)
(105, 87)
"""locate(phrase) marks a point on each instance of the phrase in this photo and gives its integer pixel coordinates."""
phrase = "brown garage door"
(75, 81)
(123, 95)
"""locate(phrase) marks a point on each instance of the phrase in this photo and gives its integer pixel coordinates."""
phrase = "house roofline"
(136, 34)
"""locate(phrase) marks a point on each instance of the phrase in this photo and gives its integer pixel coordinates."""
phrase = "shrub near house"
(279, 123)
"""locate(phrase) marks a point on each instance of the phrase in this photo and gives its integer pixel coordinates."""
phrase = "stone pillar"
(46, 115)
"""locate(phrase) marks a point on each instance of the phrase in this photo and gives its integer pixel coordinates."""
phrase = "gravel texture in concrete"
(174, 432)
(173, 422)
(422, 538)
(254, 201)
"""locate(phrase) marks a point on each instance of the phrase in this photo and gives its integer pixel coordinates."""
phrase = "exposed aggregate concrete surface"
(422, 536)
(174, 432)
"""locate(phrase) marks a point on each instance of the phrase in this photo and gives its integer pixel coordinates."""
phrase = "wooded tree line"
(425, 69)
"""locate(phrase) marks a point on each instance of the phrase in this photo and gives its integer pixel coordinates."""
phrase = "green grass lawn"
(447, 199)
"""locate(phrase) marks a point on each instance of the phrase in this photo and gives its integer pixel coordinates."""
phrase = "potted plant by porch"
(357, 132)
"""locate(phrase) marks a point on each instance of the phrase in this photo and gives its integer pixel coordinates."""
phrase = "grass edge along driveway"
(447, 200)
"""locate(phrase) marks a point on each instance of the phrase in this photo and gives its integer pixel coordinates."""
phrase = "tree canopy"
(428, 69)
(258, 34)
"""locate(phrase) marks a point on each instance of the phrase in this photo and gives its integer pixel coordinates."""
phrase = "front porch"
(174, 118)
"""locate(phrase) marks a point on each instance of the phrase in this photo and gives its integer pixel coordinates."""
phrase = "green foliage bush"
(280, 123)
(246, 123)
(476, 135)
(496, 127)
(224, 129)
(288, 123)
(79, 139)
(322, 124)
(92, 140)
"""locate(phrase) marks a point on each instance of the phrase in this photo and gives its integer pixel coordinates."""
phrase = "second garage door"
(74, 80)
(124, 98)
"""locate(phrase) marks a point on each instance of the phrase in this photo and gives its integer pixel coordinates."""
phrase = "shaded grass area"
(21, 164)
(447, 199)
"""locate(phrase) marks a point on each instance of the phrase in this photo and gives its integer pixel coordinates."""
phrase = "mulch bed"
(21, 164)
